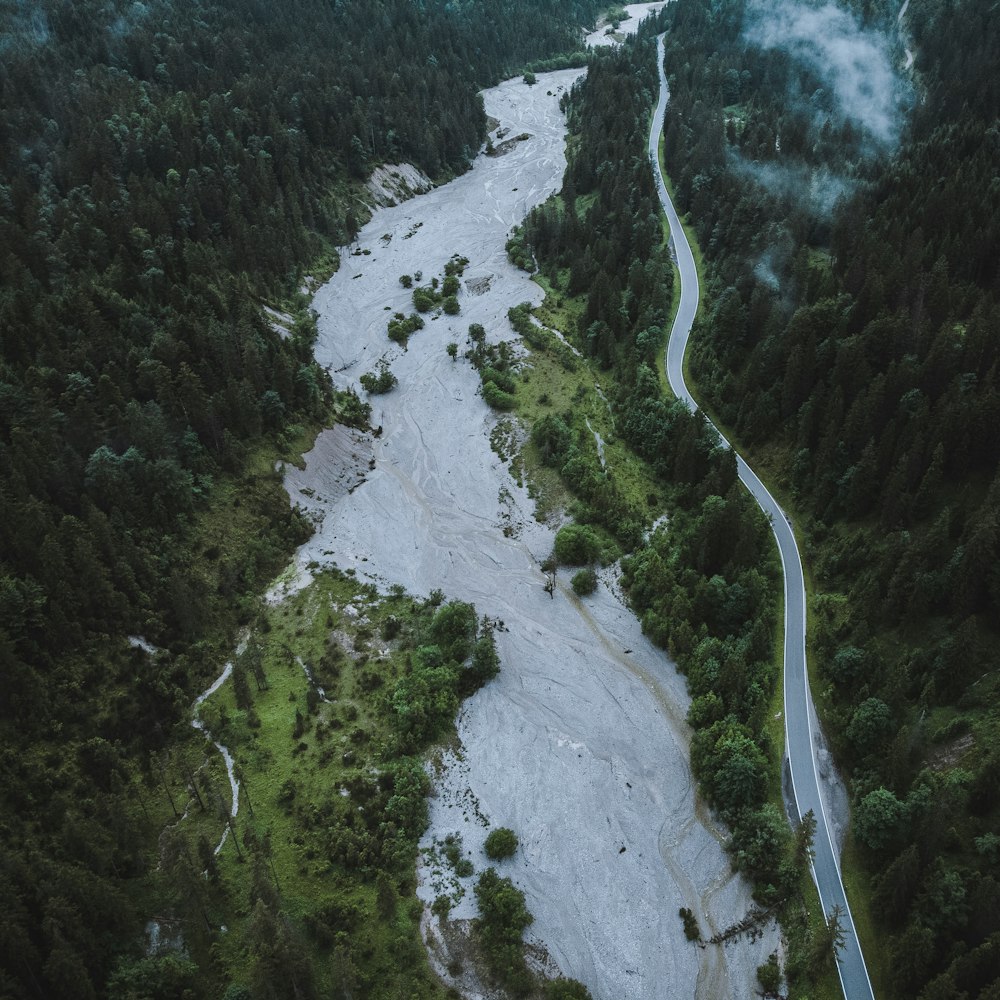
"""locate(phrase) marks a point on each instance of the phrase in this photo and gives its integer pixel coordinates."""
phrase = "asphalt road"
(798, 728)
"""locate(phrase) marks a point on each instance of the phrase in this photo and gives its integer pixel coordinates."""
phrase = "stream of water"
(227, 757)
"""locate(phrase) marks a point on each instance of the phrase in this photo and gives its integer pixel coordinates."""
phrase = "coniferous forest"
(165, 169)
(848, 341)
(851, 345)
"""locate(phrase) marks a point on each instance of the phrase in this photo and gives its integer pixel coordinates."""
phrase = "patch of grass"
(584, 203)
(775, 724)
(859, 891)
(559, 311)
(546, 387)
(802, 921)
(312, 767)
(661, 354)
(241, 538)
(324, 265)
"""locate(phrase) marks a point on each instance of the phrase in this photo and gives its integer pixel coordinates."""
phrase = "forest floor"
(580, 745)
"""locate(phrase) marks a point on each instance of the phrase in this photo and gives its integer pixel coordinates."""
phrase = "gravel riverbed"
(580, 744)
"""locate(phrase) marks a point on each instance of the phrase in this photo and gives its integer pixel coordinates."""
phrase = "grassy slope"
(577, 392)
(548, 387)
(337, 747)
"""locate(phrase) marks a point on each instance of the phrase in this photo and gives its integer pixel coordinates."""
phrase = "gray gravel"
(580, 744)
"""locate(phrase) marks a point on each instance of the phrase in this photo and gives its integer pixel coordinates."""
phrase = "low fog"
(820, 188)
(855, 64)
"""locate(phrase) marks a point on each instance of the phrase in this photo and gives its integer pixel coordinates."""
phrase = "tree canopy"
(164, 170)
(854, 300)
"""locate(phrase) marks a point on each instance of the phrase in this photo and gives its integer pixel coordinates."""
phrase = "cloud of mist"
(855, 64)
(819, 187)
(764, 271)
(22, 23)
(125, 23)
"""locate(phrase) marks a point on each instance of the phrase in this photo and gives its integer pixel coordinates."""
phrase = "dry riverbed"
(580, 744)
(606, 34)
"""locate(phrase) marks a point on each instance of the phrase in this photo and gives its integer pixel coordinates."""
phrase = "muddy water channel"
(580, 744)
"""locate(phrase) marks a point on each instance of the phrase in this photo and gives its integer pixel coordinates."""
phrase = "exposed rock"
(396, 182)
(281, 322)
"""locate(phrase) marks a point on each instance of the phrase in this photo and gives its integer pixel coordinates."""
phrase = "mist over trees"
(163, 169)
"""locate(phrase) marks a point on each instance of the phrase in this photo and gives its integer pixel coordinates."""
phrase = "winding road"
(798, 703)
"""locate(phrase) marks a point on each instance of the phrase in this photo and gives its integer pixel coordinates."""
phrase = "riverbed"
(580, 744)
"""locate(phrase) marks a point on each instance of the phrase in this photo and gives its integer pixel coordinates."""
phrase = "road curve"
(798, 702)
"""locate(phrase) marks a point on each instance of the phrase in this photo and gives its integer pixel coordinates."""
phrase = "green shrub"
(519, 253)
(352, 411)
(451, 306)
(552, 437)
(485, 664)
(503, 918)
(584, 582)
(576, 545)
(501, 843)
(616, 15)
(452, 850)
(769, 974)
(287, 792)
(520, 315)
(496, 397)
(400, 327)
(424, 701)
(424, 299)
(691, 929)
(502, 380)
(380, 381)
(453, 629)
